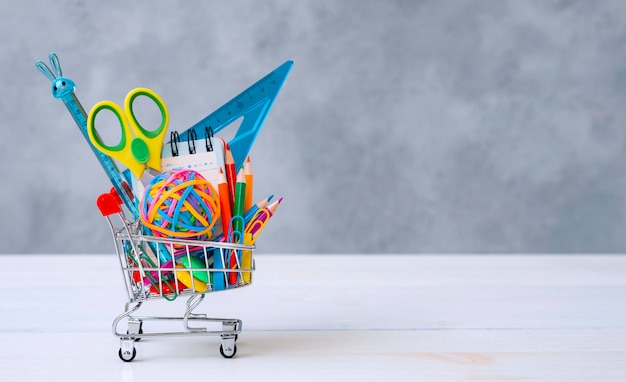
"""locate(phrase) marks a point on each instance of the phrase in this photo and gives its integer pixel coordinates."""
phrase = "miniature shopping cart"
(157, 268)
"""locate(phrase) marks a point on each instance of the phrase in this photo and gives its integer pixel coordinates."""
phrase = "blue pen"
(63, 88)
(255, 207)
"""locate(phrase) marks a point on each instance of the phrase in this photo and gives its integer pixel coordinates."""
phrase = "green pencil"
(239, 205)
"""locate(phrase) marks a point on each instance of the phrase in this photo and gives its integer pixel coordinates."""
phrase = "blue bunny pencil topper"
(61, 86)
(63, 89)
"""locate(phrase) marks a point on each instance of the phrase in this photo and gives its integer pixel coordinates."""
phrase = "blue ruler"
(63, 88)
(252, 104)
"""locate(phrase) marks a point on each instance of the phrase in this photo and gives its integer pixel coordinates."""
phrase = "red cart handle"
(109, 203)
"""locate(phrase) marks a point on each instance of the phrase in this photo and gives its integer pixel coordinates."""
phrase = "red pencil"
(231, 173)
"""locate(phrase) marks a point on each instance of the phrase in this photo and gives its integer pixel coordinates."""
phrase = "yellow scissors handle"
(152, 138)
(131, 154)
(141, 151)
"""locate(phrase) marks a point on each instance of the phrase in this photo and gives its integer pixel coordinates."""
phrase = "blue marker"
(63, 88)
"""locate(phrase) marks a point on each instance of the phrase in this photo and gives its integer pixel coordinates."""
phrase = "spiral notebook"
(205, 155)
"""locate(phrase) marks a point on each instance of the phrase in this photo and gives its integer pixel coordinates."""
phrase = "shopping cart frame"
(147, 277)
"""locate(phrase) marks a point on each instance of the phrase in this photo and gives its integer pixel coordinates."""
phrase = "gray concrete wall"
(405, 126)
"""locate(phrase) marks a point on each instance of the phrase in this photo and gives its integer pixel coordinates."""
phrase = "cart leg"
(127, 312)
(135, 328)
(231, 328)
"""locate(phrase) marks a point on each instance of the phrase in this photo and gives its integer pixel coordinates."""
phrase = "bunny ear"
(45, 70)
(54, 61)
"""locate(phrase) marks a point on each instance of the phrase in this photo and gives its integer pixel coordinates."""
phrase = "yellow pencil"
(246, 259)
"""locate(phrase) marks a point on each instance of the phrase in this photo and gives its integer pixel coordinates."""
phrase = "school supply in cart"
(205, 155)
(180, 204)
(168, 246)
(197, 270)
(138, 153)
(253, 104)
(247, 170)
(259, 220)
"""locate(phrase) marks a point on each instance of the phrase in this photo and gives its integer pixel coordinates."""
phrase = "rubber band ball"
(180, 204)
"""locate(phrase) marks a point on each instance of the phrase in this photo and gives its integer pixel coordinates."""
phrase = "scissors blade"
(148, 176)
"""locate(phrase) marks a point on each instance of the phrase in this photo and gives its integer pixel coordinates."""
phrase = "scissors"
(138, 153)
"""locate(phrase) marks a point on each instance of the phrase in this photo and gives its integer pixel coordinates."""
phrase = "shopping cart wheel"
(126, 356)
(229, 352)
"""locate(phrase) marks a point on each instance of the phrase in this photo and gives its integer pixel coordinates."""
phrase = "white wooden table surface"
(332, 318)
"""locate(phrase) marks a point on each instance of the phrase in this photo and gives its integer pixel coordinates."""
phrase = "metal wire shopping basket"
(155, 268)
